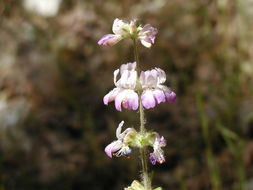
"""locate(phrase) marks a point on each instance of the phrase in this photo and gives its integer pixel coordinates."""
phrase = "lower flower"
(158, 155)
(121, 147)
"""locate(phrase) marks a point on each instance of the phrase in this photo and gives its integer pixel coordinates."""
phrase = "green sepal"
(143, 139)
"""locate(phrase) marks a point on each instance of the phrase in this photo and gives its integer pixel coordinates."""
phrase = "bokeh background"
(53, 76)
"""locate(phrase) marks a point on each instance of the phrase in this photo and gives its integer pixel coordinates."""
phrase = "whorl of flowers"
(122, 29)
(126, 92)
(130, 138)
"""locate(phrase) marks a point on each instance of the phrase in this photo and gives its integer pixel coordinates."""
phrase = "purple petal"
(148, 100)
(159, 96)
(113, 147)
(152, 158)
(110, 96)
(162, 142)
(132, 102)
(170, 96)
(149, 39)
(147, 35)
(149, 30)
(109, 40)
(118, 100)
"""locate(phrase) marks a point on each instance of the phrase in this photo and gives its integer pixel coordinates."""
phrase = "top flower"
(122, 29)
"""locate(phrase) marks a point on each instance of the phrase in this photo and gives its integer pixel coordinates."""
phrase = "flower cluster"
(129, 137)
(123, 29)
(151, 89)
(124, 94)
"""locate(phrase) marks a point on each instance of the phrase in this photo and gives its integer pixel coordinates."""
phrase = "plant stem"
(136, 56)
(143, 151)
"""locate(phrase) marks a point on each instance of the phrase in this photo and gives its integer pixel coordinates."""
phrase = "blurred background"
(53, 76)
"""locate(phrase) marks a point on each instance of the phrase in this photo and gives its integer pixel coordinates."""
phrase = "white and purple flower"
(147, 35)
(124, 94)
(158, 155)
(122, 29)
(153, 91)
(120, 147)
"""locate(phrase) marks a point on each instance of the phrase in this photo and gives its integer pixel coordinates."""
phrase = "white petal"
(128, 76)
(151, 78)
(115, 74)
(146, 44)
(161, 75)
(131, 82)
(118, 26)
(124, 79)
(128, 66)
(118, 131)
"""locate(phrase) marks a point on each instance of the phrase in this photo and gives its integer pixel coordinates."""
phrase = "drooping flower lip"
(171, 96)
(128, 99)
(113, 147)
(109, 40)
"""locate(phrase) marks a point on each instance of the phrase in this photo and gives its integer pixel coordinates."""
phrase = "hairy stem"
(136, 56)
(143, 151)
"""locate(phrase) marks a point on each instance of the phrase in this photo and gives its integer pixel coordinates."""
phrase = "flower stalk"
(137, 89)
(143, 150)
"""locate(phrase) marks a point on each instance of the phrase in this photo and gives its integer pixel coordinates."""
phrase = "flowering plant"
(134, 90)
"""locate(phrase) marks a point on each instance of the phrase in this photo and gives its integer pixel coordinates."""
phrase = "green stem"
(136, 56)
(143, 151)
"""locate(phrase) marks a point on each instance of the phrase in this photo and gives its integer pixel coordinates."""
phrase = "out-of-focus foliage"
(53, 76)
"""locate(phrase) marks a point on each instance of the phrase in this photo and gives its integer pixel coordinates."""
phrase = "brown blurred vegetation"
(53, 76)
